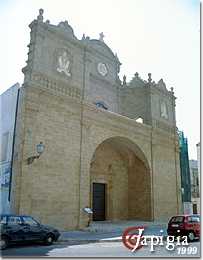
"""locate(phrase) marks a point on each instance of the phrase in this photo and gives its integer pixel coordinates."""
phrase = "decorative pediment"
(161, 85)
(103, 48)
(137, 81)
(66, 28)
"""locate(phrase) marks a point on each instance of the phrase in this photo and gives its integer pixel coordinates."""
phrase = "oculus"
(102, 69)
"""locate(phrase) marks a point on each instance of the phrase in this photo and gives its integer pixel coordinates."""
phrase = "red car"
(185, 225)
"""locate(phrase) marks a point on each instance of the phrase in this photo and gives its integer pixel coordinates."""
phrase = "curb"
(90, 240)
(95, 240)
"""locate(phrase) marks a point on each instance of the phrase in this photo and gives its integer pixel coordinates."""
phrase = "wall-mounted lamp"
(40, 149)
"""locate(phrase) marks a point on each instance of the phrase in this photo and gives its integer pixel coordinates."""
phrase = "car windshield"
(177, 219)
(30, 221)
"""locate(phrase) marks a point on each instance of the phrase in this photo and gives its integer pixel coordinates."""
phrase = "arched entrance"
(120, 181)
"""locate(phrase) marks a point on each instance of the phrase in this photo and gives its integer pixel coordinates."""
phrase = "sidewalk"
(115, 236)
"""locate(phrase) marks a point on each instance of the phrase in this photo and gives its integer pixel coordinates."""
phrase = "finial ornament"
(40, 16)
(101, 37)
(66, 23)
(172, 90)
(83, 36)
(149, 77)
(124, 80)
(136, 74)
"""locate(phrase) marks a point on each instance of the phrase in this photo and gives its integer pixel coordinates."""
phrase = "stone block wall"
(57, 108)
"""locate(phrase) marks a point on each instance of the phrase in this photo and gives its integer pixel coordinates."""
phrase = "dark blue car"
(15, 228)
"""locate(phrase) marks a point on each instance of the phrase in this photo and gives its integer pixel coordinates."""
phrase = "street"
(99, 249)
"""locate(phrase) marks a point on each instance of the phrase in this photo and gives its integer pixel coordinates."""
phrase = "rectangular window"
(13, 220)
(3, 220)
(4, 147)
(194, 219)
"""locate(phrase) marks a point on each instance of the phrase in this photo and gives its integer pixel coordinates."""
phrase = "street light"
(40, 149)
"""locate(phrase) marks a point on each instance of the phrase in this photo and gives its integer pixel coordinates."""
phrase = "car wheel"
(49, 239)
(191, 236)
(3, 242)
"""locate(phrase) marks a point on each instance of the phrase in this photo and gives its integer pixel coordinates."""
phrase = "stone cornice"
(113, 119)
(104, 118)
(116, 123)
(57, 87)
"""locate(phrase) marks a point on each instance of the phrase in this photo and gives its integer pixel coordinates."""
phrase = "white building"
(198, 159)
(195, 189)
(8, 104)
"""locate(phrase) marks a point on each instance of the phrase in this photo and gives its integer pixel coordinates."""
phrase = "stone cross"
(149, 77)
(124, 80)
(101, 37)
(136, 74)
(40, 16)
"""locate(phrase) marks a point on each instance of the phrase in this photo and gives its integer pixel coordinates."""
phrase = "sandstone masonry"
(74, 102)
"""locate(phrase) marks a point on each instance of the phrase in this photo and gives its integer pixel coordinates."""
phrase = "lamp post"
(40, 149)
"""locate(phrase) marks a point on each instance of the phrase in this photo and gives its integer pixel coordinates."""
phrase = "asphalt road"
(101, 249)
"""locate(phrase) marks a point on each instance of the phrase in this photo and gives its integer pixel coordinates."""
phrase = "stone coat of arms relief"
(63, 62)
(164, 110)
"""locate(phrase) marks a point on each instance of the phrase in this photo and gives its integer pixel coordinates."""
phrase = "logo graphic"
(132, 237)
(134, 240)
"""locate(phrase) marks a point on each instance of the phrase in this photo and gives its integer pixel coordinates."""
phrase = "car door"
(35, 231)
(14, 228)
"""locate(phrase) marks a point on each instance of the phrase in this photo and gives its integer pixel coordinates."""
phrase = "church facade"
(109, 145)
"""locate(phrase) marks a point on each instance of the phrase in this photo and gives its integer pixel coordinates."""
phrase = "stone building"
(96, 152)
(195, 191)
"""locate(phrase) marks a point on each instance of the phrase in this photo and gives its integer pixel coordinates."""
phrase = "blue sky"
(157, 36)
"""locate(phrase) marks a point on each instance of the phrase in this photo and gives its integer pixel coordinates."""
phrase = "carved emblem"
(63, 62)
(164, 110)
(102, 69)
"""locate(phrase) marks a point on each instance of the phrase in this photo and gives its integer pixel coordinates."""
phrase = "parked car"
(25, 228)
(185, 225)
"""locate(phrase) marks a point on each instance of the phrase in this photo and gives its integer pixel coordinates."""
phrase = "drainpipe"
(13, 143)
(81, 131)
(152, 177)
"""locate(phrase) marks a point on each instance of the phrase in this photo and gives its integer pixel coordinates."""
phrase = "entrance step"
(120, 226)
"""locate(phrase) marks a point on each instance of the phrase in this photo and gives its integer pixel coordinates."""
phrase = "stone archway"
(122, 169)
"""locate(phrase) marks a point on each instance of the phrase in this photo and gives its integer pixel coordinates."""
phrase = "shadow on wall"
(123, 168)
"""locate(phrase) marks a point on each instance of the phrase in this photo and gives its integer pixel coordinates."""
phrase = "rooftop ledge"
(115, 116)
